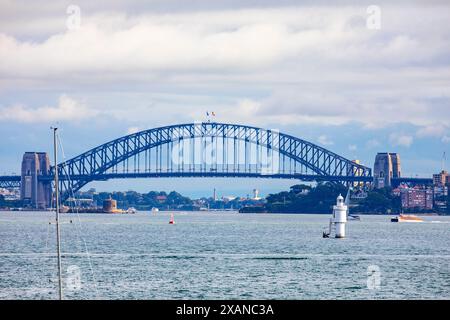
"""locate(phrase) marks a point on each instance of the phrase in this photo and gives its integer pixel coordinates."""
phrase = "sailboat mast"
(58, 236)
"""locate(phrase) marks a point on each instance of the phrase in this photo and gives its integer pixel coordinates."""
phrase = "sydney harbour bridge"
(204, 149)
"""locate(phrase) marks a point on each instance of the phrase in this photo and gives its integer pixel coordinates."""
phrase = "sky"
(356, 77)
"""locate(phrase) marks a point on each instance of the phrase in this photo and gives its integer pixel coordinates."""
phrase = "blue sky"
(311, 69)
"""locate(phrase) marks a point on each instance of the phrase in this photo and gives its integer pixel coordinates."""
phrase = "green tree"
(320, 199)
(380, 201)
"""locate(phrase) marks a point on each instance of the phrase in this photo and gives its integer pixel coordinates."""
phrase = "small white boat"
(154, 209)
(131, 210)
(354, 217)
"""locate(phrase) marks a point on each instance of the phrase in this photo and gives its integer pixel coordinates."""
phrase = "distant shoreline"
(215, 211)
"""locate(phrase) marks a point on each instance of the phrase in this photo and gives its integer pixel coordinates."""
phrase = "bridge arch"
(255, 152)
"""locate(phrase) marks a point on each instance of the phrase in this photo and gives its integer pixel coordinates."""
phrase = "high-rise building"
(387, 166)
(442, 178)
(34, 192)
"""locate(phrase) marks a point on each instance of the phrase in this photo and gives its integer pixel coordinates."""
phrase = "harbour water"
(223, 255)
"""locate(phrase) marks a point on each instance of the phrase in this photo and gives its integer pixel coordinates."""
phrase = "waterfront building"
(440, 205)
(11, 194)
(387, 166)
(300, 189)
(440, 191)
(417, 198)
(110, 206)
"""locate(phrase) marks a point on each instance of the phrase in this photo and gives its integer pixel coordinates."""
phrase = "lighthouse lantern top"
(340, 200)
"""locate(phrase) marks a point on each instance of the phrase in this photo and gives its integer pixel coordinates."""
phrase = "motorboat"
(406, 218)
(131, 210)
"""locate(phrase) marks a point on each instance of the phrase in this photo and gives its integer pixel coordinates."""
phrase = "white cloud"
(324, 140)
(139, 45)
(287, 65)
(402, 140)
(237, 39)
(132, 130)
(67, 110)
(437, 130)
(370, 108)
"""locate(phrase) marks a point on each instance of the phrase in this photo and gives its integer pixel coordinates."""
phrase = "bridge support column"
(37, 194)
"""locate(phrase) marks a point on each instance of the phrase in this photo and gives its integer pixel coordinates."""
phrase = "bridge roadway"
(13, 181)
(211, 174)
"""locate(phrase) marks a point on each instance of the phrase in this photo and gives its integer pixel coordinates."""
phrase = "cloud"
(352, 147)
(324, 140)
(141, 44)
(67, 110)
(245, 39)
(401, 140)
(132, 130)
(371, 108)
(291, 64)
(372, 143)
(437, 130)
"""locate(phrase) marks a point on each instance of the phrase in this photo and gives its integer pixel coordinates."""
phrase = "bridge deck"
(212, 174)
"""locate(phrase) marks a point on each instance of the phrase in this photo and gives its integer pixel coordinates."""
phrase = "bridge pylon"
(34, 191)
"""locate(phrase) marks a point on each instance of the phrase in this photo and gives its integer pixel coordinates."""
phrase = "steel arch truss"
(10, 182)
(208, 150)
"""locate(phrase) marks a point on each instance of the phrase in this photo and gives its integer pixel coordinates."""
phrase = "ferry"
(354, 217)
(406, 218)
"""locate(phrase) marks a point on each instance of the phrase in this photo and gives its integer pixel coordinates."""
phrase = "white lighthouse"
(340, 217)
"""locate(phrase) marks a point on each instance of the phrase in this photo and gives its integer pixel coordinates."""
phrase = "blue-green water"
(223, 256)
